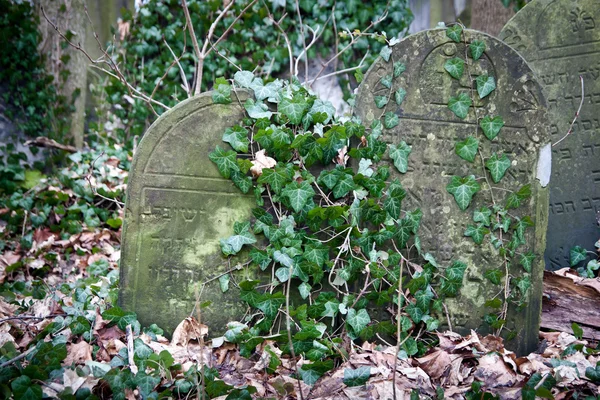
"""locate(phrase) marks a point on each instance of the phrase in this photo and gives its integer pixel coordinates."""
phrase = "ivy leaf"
(276, 178)
(225, 160)
(491, 126)
(243, 182)
(494, 275)
(146, 383)
(344, 185)
(527, 260)
(356, 377)
(482, 215)
(233, 244)
(577, 254)
(293, 108)
(222, 94)
(423, 298)
(477, 48)
(270, 304)
(477, 233)
(463, 190)
(497, 166)
(459, 105)
(262, 92)
(325, 107)
(386, 81)
(390, 120)
(485, 85)
(24, 389)
(393, 202)
(316, 254)
(399, 68)
(454, 33)
(400, 155)
(385, 53)
(244, 79)
(415, 313)
(467, 149)
(333, 140)
(399, 95)
(358, 320)
(455, 67)
(381, 101)
(298, 194)
(257, 110)
(237, 137)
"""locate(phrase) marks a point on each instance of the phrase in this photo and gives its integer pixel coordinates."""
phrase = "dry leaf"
(494, 372)
(435, 364)
(342, 157)
(188, 329)
(78, 353)
(261, 161)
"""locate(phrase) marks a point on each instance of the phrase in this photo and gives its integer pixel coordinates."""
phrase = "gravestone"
(560, 39)
(427, 124)
(178, 208)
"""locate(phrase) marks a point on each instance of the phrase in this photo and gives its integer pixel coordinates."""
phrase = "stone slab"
(560, 39)
(432, 130)
(178, 208)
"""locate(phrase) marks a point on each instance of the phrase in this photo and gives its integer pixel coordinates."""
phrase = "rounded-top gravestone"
(178, 208)
(418, 113)
(560, 39)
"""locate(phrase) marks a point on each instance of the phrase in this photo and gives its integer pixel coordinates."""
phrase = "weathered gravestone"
(427, 124)
(561, 41)
(178, 208)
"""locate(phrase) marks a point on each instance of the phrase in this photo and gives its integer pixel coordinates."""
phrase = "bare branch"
(224, 34)
(181, 72)
(305, 51)
(211, 30)
(576, 114)
(200, 66)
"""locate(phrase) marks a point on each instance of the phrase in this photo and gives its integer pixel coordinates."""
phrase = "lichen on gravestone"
(178, 208)
(421, 117)
(560, 39)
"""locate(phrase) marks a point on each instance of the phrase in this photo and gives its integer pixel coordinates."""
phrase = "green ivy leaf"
(526, 260)
(356, 377)
(497, 166)
(358, 320)
(467, 149)
(577, 255)
(400, 95)
(423, 298)
(477, 48)
(222, 94)
(491, 126)
(276, 178)
(381, 101)
(485, 85)
(146, 383)
(494, 275)
(386, 81)
(385, 53)
(233, 244)
(358, 75)
(325, 107)
(316, 254)
(24, 389)
(224, 282)
(399, 68)
(463, 190)
(459, 105)
(454, 33)
(344, 185)
(225, 160)
(293, 108)
(270, 304)
(399, 153)
(257, 110)
(482, 215)
(393, 202)
(243, 79)
(298, 194)
(237, 137)
(477, 233)
(455, 67)
(593, 374)
(390, 120)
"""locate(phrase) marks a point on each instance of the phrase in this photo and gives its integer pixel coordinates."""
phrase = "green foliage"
(460, 104)
(253, 41)
(31, 94)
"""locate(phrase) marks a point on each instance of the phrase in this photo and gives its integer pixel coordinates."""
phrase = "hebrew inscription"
(432, 130)
(178, 207)
(560, 53)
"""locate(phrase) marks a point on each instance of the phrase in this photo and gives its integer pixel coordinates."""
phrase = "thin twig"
(305, 51)
(289, 332)
(130, 350)
(398, 326)
(224, 34)
(17, 358)
(181, 72)
(576, 114)
(200, 66)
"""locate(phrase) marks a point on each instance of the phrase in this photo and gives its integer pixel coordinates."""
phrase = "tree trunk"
(68, 16)
(489, 16)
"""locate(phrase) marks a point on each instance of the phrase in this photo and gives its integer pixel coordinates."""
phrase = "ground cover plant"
(371, 330)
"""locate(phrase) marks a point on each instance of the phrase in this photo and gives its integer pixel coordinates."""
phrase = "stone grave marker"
(178, 208)
(560, 39)
(427, 124)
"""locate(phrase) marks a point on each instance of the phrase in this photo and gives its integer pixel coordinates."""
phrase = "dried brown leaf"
(261, 161)
(188, 329)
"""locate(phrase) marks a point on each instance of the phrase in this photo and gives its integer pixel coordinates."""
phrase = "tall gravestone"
(178, 208)
(561, 41)
(427, 124)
